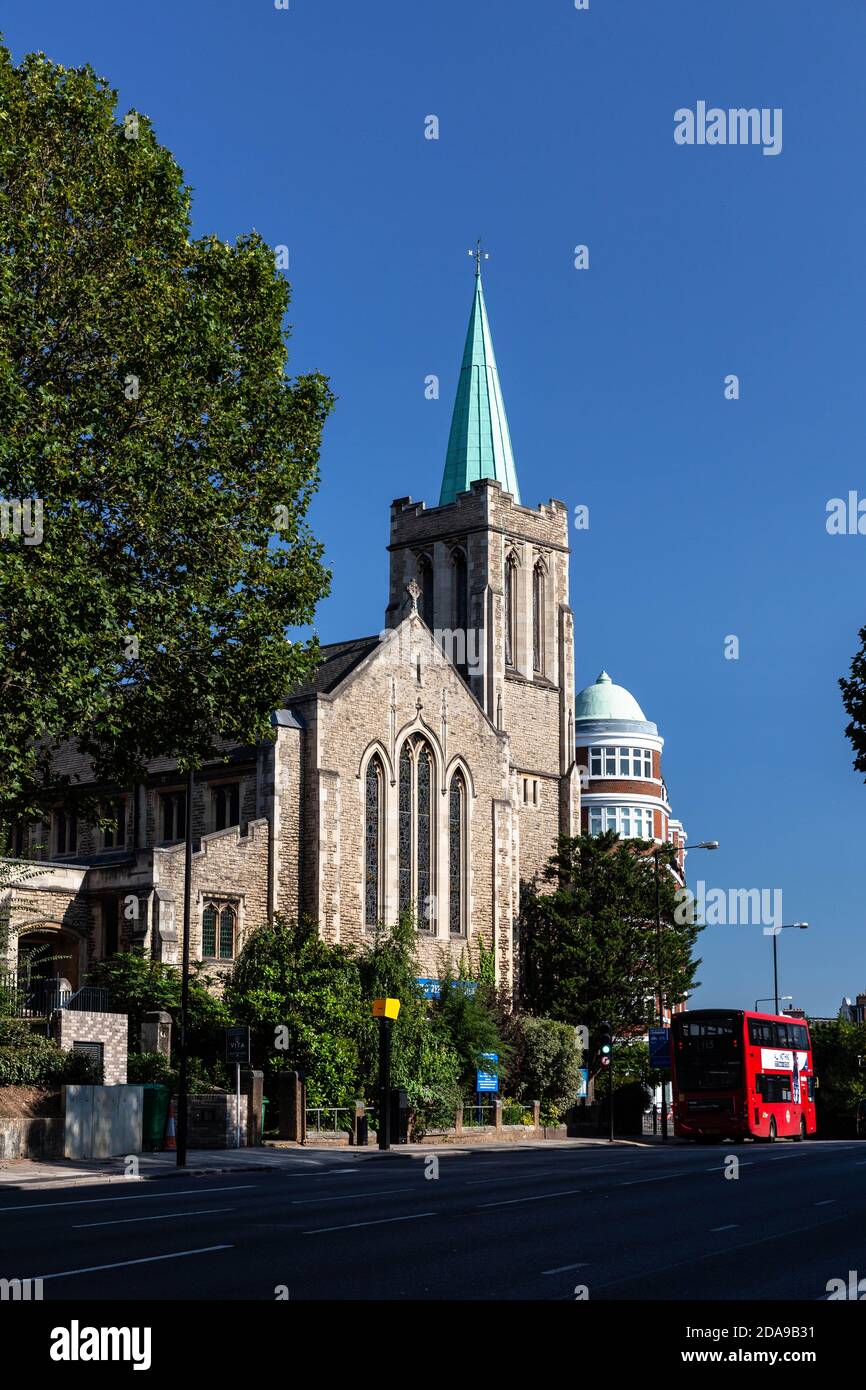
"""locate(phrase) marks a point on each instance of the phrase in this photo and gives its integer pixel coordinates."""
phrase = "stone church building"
(427, 768)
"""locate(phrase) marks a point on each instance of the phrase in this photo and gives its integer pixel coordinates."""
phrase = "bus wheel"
(771, 1137)
(801, 1137)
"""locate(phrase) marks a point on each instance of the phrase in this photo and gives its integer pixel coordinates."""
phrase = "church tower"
(493, 579)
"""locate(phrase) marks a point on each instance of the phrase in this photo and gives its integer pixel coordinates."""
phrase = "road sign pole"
(610, 1073)
(183, 1041)
(238, 1105)
(384, 1117)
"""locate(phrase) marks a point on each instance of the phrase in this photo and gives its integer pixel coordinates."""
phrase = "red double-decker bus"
(737, 1074)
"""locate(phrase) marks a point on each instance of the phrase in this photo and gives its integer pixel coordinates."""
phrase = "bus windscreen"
(709, 1056)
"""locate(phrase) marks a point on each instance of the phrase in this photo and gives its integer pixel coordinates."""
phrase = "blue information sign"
(660, 1048)
(487, 1080)
(432, 988)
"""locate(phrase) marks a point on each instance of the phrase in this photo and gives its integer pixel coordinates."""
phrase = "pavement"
(26, 1172)
(537, 1221)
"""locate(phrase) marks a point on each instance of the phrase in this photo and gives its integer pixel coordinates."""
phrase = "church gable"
(406, 779)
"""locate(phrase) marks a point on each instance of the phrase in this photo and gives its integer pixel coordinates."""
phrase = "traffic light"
(605, 1044)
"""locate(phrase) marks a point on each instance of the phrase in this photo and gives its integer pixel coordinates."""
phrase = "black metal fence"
(39, 998)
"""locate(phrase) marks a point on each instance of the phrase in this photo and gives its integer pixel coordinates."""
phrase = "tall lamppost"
(774, 932)
(656, 853)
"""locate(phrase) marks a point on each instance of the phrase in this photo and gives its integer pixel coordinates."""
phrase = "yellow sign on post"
(386, 1008)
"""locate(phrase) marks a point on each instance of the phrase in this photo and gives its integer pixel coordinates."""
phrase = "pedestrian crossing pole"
(385, 1010)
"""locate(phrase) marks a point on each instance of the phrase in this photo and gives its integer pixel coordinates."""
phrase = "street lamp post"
(704, 844)
(183, 1040)
(765, 999)
(788, 926)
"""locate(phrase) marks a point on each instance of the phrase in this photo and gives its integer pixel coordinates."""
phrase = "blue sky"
(707, 516)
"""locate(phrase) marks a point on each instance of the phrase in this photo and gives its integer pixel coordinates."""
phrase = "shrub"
(544, 1063)
(146, 1068)
(28, 1059)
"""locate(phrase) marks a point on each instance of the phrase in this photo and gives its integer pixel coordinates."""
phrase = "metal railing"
(40, 998)
(652, 1120)
(476, 1116)
(333, 1125)
(513, 1113)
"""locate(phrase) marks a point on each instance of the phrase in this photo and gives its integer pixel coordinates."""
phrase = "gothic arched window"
(218, 928)
(227, 934)
(538, 618)
(373, 788)
(425, 580)
(457, 858)
(461, 611)
(424, 840)
(510, 568)
(416, 832)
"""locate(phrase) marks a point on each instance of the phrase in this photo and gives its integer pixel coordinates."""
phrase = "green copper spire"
(479, 445)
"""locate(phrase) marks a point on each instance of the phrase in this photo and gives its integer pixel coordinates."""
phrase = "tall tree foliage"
(145, 409)
(854, 699)
(589, 947)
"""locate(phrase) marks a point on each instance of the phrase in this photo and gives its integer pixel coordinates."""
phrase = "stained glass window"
(538, 619)
(227, 934)
(372, 852)
(456, 833)
(208, 932)
(405, 829)
(425, 787)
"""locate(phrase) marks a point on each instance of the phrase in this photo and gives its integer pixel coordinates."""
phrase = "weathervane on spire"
(479, 256)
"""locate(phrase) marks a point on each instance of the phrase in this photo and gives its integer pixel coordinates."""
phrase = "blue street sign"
(660, 1048)
(432, 988)
(583, 1084)
(487, 1080)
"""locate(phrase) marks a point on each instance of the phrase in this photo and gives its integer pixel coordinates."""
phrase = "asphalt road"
(533, 1223)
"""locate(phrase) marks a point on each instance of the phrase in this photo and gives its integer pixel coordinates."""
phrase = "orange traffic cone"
(171, 1127)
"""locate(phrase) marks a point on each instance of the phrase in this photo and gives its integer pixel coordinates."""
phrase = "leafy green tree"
(423, 1060)
(854, 699)
(138, 985)
(302, 998)
(590, 950)
(839, 1057)
(544, 1063)
(165, 460)
(471, 1027)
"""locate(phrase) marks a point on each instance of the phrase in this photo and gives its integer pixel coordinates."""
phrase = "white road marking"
(348, 1196)
(122, 1264)
(828, 1202)
(665, 1177)
(354, 1225)
(561, 1269)
(734, 1227)
(542, 1197)
(715, 1254)
(544, 1173)
(145, 1197)
(130, 1220)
